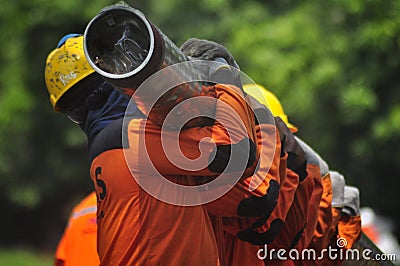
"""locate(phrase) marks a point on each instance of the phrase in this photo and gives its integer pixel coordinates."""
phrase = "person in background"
(78, 244)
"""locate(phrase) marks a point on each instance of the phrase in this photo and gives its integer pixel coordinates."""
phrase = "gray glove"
(351, 201)
(207, 50)
(338, 184)
(225, 70)
(313, 157)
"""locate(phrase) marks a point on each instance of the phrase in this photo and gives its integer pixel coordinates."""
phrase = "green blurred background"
(334, 64)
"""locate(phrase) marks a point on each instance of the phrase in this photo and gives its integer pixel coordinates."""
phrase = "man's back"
(137, 228)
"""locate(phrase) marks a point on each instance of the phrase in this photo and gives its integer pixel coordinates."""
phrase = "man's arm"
(227, 146)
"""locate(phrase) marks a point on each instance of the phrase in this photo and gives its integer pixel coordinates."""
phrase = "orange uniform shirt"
(326, 226)
(78, 244)
(141, 227)
(302, 218)
(291, 223)
(251, 197)
(256, 195)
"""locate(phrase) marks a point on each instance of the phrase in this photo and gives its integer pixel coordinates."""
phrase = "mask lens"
(78, 115)
(94, 101)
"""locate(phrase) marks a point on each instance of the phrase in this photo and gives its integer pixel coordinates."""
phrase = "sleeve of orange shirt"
(324, 230)
(227, 146)
(262, 230)
(256, 195)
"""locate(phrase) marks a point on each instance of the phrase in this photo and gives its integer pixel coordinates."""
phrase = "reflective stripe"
(84, 212)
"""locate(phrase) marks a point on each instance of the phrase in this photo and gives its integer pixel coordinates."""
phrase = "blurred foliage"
(334, 64)
(24, 257)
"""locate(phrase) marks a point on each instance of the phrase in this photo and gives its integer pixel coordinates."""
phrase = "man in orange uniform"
(78, 242)
(135, 228)
(334, 221)
(303, 211)
(255, 205)
(298, 186)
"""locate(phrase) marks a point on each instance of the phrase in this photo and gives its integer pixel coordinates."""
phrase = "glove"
(225, 71)
(313, 157)
(338, 184)
(207, 50)
(296, 157)
(351, 201)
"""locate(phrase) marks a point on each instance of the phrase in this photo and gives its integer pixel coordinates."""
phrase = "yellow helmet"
(65, 66)
(269, 99)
